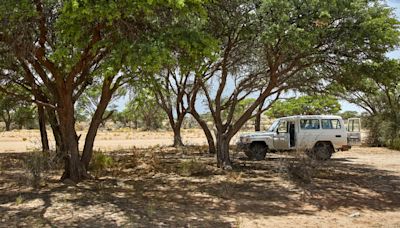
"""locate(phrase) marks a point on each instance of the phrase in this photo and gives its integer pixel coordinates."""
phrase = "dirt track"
(357, 188)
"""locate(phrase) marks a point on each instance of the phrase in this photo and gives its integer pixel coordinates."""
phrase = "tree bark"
(42, 126)
(7, 120)
(90, 137)
(55, 127)
(8, 125)
(176, 127)
(257, 122)
(207, 132)
(177, 135)
(74, 168)
(223, 159)
(97, 119)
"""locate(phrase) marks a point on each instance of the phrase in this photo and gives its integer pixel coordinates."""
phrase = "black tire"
(322, 151)
(257, 151)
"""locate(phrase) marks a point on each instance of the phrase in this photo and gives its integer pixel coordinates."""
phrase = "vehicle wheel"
(258, 152)
(322, 151)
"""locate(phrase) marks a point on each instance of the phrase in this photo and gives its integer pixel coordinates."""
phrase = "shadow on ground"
(134, 196)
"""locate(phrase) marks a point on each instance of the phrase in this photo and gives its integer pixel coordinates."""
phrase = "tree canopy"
(56, 50)
(375, 87)
(229, 50)
(268, 47)
(305, 105)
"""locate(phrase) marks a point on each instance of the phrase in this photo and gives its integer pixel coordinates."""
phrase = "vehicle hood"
(257, 135)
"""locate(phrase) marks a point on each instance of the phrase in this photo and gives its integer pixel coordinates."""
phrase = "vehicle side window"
(331, 124)
(309, 124)
(282, 128)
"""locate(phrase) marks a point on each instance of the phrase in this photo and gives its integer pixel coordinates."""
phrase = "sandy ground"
(29, 140)
(150, 187)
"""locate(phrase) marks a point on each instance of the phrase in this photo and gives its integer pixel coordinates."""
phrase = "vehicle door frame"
(281, 140)
(353, 135)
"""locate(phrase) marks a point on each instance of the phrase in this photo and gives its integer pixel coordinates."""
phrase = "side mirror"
(277, 130)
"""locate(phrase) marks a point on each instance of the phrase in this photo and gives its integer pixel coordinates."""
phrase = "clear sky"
(395, 4)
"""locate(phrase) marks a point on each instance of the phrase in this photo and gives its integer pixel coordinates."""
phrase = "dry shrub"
(135, 158)
(300, 168)
(154, 162)
(80, 126)
(235, 177)
(192, 167)
(146, 161)
(100, 162)
(226, 190)
(37, 163)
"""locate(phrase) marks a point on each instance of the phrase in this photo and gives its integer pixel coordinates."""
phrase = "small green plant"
(192, 168)
(100, 162)
(154, 162)
(19, 200)
(395, 145)
(151, 208)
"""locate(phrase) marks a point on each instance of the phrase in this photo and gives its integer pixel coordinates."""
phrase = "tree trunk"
(177, 135)
(97, 119)
(42, 126)
(74, 168)
(90, 137)
(207, 132)
(55, 126)
(257, 122)
(223, 159)
(176, 128)
(7, 119)
(8, 125)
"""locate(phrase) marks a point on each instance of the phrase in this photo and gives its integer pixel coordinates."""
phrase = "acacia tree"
(283, 45)
(174, 83)
(170, 97)
(305, 105)
(17, 112)
(55, 50)
(144, 109)
(7, 109)
(375, 87)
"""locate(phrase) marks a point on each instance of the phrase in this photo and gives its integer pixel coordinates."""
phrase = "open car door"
(354, 131)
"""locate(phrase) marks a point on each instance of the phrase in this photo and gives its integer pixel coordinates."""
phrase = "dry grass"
(163, 186)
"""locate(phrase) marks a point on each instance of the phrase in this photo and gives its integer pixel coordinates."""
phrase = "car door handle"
(338, 136)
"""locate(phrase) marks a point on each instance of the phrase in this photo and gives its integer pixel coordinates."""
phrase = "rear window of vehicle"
(309, 124)
(331, 124)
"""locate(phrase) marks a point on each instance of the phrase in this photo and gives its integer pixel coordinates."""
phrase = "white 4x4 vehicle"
(319, 135)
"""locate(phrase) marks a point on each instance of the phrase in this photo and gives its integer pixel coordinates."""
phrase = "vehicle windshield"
(273, 126)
